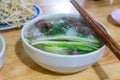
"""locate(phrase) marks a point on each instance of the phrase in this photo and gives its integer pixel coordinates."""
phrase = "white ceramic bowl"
(2, 50)
(61, 63)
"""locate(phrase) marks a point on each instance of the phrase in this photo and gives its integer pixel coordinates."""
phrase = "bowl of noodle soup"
(60, 43)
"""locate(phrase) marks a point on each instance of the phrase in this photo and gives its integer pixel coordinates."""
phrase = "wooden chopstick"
(115, 48)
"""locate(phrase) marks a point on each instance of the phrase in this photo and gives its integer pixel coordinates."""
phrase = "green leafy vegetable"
(56, 50)
(70, 45)
(66, 44)
(56, 29)
(71, 38)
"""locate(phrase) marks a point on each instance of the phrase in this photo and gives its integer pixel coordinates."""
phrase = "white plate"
(35, 8)
(116, 15)
(2, 50)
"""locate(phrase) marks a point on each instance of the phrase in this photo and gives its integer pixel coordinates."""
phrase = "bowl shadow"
(100, 72)
(25, 59)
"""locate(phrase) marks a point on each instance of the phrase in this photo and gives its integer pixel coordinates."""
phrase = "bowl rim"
(3, 45)
(26, 26)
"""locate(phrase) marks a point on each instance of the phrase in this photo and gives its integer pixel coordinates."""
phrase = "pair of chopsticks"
(115, 48)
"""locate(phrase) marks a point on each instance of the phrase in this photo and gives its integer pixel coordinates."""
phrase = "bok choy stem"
(66, 44)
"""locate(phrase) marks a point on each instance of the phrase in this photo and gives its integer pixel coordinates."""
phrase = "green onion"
(70, 38)
(68, 45)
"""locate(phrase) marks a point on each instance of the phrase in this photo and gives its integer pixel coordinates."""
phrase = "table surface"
(19, 66)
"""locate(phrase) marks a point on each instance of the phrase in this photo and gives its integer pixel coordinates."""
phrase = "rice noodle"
(14, 11)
